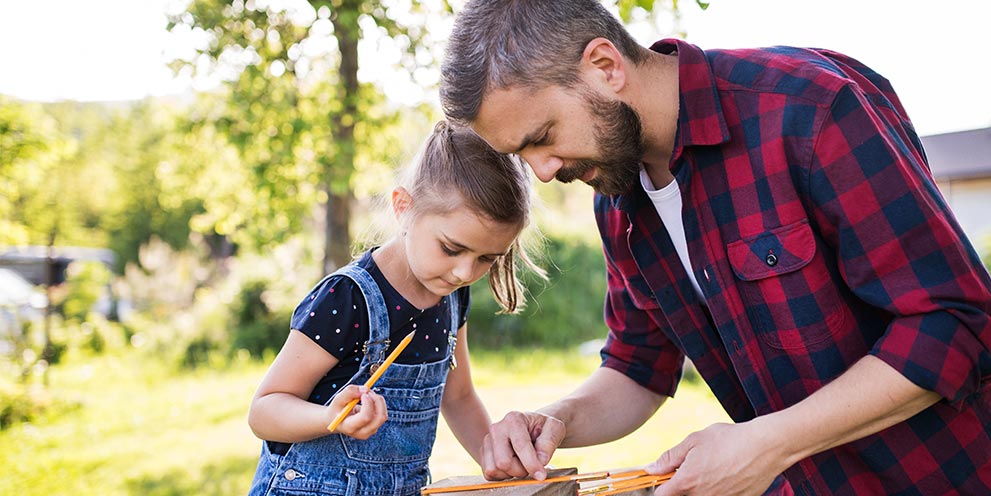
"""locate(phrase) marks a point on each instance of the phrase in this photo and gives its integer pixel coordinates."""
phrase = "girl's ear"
(402, 201)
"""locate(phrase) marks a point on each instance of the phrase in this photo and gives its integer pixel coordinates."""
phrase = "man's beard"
(619, 136)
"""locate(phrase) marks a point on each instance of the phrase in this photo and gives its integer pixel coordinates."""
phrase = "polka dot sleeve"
(333, 315)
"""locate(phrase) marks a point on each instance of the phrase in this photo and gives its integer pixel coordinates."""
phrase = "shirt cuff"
(935, 353)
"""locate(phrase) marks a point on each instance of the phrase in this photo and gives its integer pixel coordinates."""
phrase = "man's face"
(566, 134)
(619, 137)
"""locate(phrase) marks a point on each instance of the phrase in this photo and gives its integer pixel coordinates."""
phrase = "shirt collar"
(700, 116)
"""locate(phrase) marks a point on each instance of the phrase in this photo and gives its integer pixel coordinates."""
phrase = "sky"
(934, 53)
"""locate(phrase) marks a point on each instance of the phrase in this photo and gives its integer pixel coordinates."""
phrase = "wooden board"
(565, 488)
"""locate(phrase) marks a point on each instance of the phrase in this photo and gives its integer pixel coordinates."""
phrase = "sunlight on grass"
(142, 428)
(527, 381)
(526, 367)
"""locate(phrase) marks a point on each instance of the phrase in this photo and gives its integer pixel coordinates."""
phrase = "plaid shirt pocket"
(772, 253)
(791, 299)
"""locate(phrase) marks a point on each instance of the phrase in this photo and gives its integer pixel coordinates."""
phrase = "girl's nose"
(463, 270)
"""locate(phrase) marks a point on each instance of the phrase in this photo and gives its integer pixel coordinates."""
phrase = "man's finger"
(523, 446)
(491, 469)
(547, 440)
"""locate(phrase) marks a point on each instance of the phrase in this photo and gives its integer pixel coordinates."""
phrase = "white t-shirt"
(667, 202)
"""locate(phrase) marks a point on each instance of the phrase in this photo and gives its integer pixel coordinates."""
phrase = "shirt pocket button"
(771, 260)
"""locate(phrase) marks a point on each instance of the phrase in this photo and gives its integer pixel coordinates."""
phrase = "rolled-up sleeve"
(899, 247)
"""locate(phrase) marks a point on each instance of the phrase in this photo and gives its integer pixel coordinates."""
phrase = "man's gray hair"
(497, 44)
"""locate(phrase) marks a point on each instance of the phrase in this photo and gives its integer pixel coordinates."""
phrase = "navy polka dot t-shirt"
(335, 317)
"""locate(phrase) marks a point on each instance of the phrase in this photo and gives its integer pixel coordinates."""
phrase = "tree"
(30, 154)
(295, 109)
(157, 179)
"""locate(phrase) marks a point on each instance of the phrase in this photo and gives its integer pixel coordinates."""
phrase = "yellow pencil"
(514, 482)
(371, 380)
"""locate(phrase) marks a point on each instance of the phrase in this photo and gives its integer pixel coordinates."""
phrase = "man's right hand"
(521, 445)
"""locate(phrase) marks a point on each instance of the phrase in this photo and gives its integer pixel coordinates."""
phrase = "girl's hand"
(365, 418)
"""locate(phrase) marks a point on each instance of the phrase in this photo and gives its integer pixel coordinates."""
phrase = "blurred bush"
(257, 327)
(87, 285)
(191, 309)
(21, 403)
(562, 312)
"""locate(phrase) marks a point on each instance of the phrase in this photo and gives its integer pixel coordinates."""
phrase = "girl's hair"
(456, 168)
(497, 44)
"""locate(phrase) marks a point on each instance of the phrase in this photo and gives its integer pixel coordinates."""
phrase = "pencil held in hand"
(371, 380)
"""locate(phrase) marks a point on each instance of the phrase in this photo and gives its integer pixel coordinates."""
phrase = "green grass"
(138, 427)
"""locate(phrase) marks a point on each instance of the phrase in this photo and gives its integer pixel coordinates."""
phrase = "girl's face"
(447, 251)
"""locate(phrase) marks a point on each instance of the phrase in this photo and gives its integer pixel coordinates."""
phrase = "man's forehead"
(507, 117)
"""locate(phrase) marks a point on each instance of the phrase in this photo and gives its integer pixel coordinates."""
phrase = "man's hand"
(724, 459)
(520, 445)
(744, 458)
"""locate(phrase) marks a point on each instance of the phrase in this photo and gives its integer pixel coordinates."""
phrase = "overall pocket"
(409, 433)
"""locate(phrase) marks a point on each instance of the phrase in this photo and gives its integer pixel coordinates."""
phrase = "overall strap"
(455, 321)
(377, 346)
(452, 337)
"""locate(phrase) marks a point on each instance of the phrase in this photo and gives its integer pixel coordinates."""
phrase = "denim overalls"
(393, 461)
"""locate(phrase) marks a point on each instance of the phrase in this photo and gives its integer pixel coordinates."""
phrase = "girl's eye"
(448, 250)
(487, 260)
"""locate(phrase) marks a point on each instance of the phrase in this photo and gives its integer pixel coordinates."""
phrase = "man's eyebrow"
(523, 144)
(526, 141)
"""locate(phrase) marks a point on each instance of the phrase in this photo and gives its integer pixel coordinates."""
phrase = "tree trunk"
(337, 245)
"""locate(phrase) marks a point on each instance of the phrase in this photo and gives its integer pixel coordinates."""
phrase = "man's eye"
(541, 141)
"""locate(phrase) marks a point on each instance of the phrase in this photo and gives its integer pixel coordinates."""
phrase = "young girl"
(460, 216)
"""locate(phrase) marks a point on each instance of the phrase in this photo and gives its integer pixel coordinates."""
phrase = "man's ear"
(402, 201)
(604, 64)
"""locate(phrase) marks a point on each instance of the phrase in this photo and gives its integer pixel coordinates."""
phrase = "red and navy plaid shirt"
(817, 236)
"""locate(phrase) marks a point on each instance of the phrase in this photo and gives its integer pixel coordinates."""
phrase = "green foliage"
(20, 403)
(561, 313)
(202, 313)
(146, 149)
(22, 131)
(134, 424)
(626, 6)
(178, 303)
(86, 283)
(36, 203)
(91, 174)
(987, 251)
(302, 124)
(257, 328)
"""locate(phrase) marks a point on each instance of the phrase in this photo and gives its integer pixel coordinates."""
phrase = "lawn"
(137, 427)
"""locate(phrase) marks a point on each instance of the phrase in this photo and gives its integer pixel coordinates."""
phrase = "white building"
(961, 164)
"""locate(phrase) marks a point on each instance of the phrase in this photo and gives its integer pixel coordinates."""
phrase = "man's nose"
(544, 166)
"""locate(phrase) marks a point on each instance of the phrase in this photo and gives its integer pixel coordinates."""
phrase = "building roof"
(959, 155)
(62, 253)
(32, 262)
